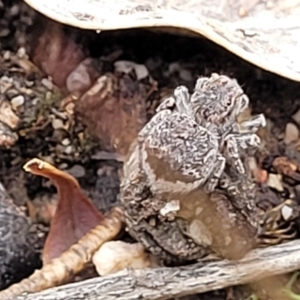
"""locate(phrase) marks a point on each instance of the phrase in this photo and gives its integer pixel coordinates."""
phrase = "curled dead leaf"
(75, 214)
(72, 261)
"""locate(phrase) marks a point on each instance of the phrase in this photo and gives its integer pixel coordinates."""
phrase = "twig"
(166, 283)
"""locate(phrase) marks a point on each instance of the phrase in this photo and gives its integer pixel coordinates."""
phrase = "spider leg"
(146, 132)
(216, 174)
(233, 153)
(254, 123)
(247, 142)
(182, 96)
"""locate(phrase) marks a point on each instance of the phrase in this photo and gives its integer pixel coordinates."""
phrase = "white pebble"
(57, 124)
(17, 101)
(6, 55)
(66, 142)
(127, 66)
(6, 79)
(286, 212)
(115, 256)
(291, 133)
(21, 52)
(63, 166)
(274, 181)
(68, 149)
(47, 83)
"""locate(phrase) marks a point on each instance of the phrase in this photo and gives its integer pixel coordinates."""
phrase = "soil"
(171, 60)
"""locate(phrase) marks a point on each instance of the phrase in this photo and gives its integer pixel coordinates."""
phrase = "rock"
(77, 171)
(47, 83)
(17, 101)
(127, 66)
(296, 117)
(57, 124)
(115, 256)
(286, 212)
(291, 133)
(274, 181)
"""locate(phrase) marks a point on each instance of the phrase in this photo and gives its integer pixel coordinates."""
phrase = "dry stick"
(72, 261)
(166, 283)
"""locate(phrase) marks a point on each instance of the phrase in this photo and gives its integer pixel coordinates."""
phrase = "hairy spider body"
(191, 138)
(181, 154)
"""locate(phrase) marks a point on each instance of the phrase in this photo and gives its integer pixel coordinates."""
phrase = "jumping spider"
(191, 138)
(186, 145)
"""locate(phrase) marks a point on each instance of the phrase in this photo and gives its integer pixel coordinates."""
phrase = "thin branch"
(166, 283)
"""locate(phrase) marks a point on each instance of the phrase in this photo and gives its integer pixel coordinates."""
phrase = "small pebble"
(17, 101)
(296, 117)
(6, 55)
(286, 212)
(77, 171)
(4, 32)
(35, 101)
(11, 93)
(21, 52)
(57, 124)
(185, 75)
(63, 166)
(126, 67)
(174, 67)
(291, 133)
(29, 83)
(66, 142)
(274, 181)
(115, 256)
(47, 83)
(68, 149)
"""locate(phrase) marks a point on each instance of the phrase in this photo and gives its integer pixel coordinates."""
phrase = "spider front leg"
(247, 141)
(233, 153)
(254, 123)
(146, 132)
(217, 171)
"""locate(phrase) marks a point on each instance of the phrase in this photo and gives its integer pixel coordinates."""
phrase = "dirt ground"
(170, 59)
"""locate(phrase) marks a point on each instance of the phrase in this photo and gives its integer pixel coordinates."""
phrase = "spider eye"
(206, 113)
(228, 102)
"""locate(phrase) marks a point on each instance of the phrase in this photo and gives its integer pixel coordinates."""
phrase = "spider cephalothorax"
(191, 138)
(218, 100)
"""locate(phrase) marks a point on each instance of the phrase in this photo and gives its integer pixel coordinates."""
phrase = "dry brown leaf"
(57, 54)
(75, 214)
(114, 111)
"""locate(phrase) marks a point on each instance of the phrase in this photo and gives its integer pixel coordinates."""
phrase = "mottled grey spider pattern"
(190, 139)
(186, 146)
